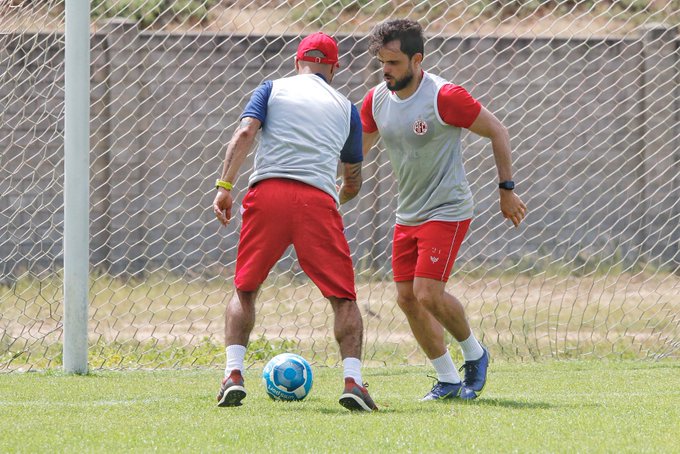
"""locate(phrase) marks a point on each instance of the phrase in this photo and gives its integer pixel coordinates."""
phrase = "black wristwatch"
(509, 185)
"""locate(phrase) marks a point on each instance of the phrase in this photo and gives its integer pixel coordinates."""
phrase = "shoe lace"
(437, 384)
(469, 367)
(362, 385)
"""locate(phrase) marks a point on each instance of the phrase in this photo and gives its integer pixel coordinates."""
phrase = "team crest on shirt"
(435, 258)
(420, 127)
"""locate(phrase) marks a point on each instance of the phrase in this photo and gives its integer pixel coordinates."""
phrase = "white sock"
(352, 368)
(235, 357)
(472, 349)
(446, 370)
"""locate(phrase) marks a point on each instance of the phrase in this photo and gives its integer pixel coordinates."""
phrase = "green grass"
(583, 406)
(170, 321)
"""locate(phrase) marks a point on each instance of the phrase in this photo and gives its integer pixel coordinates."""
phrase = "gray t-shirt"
(307, 124)
(425, 153)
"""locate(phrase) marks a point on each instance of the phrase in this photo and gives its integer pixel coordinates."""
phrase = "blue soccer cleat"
(442, 390)
(475, 376)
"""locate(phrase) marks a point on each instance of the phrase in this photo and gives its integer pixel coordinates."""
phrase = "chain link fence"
(590, 92)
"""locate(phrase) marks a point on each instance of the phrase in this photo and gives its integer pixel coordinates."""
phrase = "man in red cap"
(292, 198)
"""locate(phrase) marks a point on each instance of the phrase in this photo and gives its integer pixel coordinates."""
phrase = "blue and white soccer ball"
(287, 377)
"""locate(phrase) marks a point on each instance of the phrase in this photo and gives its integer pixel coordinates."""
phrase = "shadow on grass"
(435, 408)
(315, 406)
(429, 409)
(508, 403)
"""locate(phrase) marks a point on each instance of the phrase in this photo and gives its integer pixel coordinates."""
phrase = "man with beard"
(420, 117)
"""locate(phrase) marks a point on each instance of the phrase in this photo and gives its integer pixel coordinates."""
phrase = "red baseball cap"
(321, 42)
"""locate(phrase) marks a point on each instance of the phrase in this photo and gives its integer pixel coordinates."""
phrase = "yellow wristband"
(224, 184)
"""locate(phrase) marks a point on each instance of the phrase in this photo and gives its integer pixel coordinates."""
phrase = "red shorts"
(279, 212)
(427, 250)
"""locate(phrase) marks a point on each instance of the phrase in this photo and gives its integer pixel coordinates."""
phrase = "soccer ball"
(287, 377)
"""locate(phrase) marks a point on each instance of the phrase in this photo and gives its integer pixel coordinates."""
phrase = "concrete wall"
(594, 124)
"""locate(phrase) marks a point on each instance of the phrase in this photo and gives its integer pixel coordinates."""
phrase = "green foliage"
(132, 354)
(633, 6)
(148, 12)
(193, 9)
(152, 354)
(262, 349)
(325, 12)
(523, 8)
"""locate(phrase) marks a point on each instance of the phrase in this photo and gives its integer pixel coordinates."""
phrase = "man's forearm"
(487, 125)
(238, 148)
(351, 184)
(500, 143)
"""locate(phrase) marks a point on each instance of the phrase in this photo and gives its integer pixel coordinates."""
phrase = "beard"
(400, 84)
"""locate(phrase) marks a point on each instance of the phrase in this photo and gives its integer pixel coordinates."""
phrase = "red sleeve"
(367, 121)
(456, 106)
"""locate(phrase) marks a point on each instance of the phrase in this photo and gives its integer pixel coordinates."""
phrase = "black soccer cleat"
(232, 391)
(356, 398)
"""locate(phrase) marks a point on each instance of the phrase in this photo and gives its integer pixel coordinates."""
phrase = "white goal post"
(76, 187)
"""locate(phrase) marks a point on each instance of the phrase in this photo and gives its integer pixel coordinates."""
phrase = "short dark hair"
(408, 32)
